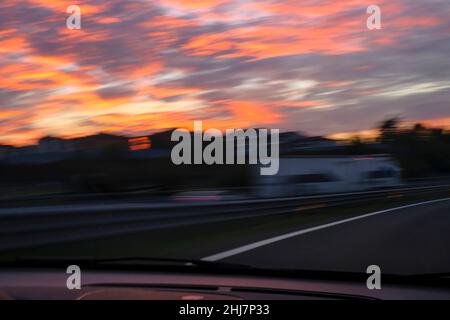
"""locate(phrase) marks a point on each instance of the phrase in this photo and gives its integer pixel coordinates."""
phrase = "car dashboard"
(50, 284)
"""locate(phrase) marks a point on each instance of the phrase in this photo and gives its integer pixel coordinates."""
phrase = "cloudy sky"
(137, 66)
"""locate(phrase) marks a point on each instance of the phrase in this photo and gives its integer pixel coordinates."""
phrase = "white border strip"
(255, 245)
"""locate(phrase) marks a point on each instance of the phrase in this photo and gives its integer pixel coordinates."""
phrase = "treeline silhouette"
(420, 151)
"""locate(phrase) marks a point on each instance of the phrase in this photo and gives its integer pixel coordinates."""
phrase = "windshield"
(275, 135)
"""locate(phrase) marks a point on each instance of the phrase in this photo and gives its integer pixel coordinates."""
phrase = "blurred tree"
(420, 151)
(388, 130)
(357, 146)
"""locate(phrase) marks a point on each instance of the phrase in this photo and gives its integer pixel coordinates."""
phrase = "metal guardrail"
(26, 227)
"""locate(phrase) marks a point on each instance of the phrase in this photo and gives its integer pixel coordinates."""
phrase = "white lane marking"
(255, 245)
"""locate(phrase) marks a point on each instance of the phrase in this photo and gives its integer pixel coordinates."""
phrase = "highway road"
(411, 236)
(408, 240)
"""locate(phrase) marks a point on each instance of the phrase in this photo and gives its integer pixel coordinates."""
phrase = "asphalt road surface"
(410, 240)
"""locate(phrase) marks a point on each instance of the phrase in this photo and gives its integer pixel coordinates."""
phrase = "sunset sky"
(139, 66)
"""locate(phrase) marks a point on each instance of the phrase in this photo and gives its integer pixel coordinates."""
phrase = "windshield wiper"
(429, 276)
(143, 262)
(167, 264)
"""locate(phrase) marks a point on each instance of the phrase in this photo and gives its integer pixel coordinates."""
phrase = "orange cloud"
(363, 134)
(62, 5)
(196, 4)
(275, 41)
(250, 113)
(9, 114)
(437, 123)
